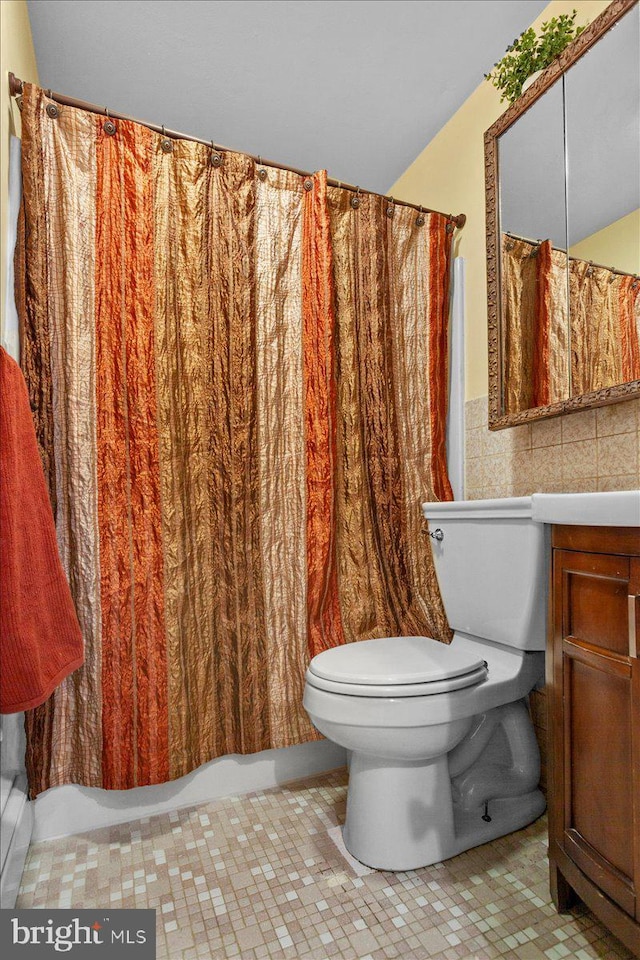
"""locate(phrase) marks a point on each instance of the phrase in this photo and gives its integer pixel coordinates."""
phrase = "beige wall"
(449, 175)
(617, 245)
(17, 55)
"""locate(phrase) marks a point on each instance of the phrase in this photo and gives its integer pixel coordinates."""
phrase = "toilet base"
(400, 816)
(392, 807)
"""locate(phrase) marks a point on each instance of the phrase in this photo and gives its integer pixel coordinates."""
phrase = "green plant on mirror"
(530, 53)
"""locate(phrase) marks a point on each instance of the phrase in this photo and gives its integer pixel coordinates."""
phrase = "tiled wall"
(538, 710)
(579, 452)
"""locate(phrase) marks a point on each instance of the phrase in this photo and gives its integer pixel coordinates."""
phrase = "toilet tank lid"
(394, 661)
(506, 508)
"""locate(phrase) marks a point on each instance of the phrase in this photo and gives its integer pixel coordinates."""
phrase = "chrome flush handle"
(437, 534)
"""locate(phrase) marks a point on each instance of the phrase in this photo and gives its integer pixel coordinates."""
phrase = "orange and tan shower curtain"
(238, 383)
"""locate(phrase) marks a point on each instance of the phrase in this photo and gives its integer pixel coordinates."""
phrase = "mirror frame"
(596, 398)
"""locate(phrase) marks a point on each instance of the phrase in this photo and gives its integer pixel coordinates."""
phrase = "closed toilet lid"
(395, 661)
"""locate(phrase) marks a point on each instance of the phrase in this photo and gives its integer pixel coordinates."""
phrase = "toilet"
(442, 751)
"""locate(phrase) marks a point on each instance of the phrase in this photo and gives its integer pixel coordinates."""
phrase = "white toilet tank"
(491, 564)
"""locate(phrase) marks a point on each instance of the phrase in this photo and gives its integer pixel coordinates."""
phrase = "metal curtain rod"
(16, 87)
(591, 263)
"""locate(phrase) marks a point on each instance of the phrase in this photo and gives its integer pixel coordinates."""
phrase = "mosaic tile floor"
(260, 876)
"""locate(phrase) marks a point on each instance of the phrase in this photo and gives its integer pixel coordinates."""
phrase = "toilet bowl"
(443, 755)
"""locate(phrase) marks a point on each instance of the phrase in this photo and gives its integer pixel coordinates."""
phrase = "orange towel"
(40, 639)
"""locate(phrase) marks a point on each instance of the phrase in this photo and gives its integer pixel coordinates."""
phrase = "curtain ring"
(166, 144)
(215, 158)
(52, 108)
(420, 218)
(108, 126)
(390, 209)
(355, 201)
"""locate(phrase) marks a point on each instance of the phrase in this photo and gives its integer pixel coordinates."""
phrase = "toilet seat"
(395, 667)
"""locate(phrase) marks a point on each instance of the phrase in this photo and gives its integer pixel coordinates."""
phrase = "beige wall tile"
(473, 443)
(513, 473)
(629, 482)
(495, 491)
(520, 437)
(499, 471)
(471, 477)
(580, 485)
(617, 418)
(538, 707)
(476, 412)
(618, 455)
(522, 488)
(546, 433)
(494, 442)
(578, 426)
(475, 473)
(546, 465)
(522, 466)
(547, 486)
(579, 460)
(580, 452)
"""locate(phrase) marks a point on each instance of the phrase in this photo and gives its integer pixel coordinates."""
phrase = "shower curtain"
(238, 382)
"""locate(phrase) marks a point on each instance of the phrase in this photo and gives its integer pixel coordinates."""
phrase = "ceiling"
(358, 87)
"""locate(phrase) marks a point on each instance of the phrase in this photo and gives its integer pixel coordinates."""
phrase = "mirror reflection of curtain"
(603, 320)
(535, 324)
(605, 327)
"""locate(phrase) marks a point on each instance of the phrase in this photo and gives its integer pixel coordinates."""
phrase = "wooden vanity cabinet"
(593, 685)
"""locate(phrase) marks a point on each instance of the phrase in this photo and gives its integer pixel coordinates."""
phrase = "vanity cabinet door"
(596, 738)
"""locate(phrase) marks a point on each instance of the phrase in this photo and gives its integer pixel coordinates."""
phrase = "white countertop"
(610, 509)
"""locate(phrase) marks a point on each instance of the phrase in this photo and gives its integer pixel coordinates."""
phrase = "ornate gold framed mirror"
(562, 176)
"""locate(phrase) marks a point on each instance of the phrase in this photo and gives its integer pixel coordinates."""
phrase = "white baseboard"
(67, 810)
